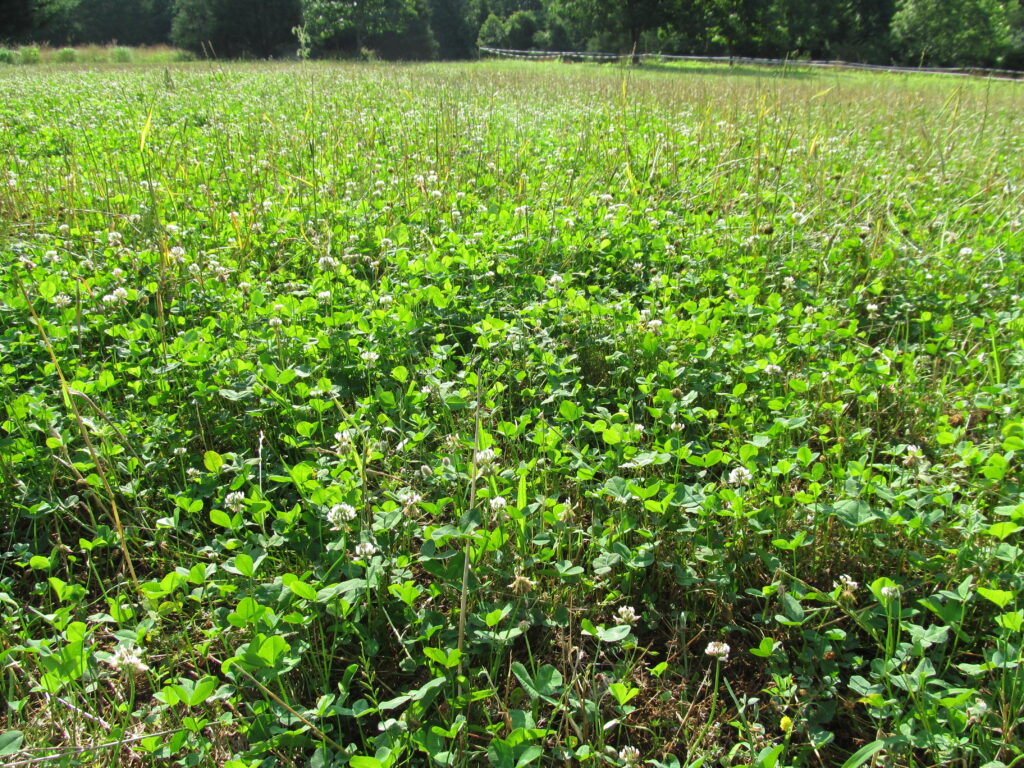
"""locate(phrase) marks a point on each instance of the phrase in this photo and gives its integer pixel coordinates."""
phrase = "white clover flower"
(847, 583)
(324, 296)
(872, 310)
(772, 369)
(718, 650)
(409, 498)
(789, 281)
(977, 711)
(498, 503)
(127, 658)
(193, 473)
(235, 501)
(521, 584)
(485, 457)
(913, 456)
(340, 514)
(965, 251)
(114, 238)
(555, 280)
(369, 357)
(343, 440)
(120, 294)
(62, 300)
(740, 476)
(890, 593)
(275, 322)
(117, 273)
(521, 210)
(327, 263)
(626, 615)
(629, 756)
(365, 550)
(244, 286)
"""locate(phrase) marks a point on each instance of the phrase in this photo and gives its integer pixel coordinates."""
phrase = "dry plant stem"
(320, 734)
(65, 703)
(65, 752)
(69, 399)
(472, 503)
(463, 597)
(112, 425)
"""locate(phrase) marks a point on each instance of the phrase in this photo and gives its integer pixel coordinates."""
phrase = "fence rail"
(509, 53)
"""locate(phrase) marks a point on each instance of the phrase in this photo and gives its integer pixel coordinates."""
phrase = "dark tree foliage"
(236, 28)
(15, 20)
(394, 29)
(947, 32)
(453, 27)
(142, 22)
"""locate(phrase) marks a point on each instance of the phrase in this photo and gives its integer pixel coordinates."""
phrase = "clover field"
(510, 414)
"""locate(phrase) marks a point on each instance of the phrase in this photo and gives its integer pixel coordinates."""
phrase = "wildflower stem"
(463, 597)
(70, 402)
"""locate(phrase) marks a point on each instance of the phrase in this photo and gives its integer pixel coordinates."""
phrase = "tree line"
(925, 32)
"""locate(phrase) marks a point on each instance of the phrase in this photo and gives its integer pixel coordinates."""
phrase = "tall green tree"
(370, 23)
(618, 23)
(55, 21)
(452, 24)
(1014, 58)
(235, 28)
(951, 32)
(15, 20)
(129, 22)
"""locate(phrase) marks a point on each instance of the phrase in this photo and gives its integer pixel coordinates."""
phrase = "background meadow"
(510, 414)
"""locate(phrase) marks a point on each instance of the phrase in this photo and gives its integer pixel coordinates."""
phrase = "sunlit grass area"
(510, 414)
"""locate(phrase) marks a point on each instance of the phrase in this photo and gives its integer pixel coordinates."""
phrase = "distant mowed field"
(510, 414)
